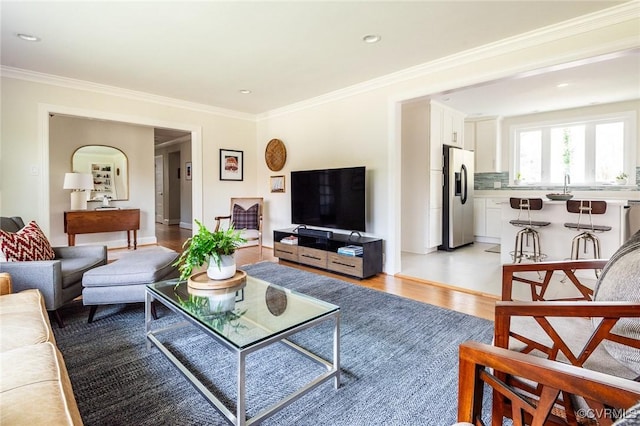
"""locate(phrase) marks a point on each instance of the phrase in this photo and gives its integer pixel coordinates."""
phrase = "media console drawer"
(313, 257)
(321, 251)
(350, 265)
(286, 251)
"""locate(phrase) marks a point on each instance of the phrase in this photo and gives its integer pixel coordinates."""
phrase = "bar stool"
(585, 210)
(528, 225)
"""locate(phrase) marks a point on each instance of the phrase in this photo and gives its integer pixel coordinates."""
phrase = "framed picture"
(231, 164)
(277, 183)
(187, 171)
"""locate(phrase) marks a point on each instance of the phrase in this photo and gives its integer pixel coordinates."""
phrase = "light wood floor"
(424, 291)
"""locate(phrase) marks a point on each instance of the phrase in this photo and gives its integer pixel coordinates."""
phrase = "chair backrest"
(524, 206)
(619, 282)
(242, 212)
(586, 208)
(526, 203)
(11, 224)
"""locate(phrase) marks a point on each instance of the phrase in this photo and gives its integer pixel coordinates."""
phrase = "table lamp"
(78, 183)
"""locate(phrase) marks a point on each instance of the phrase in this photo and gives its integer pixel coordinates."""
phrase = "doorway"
(159, 185)
(173, 183)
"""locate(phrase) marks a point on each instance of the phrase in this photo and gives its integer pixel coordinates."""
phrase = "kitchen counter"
(555, 239)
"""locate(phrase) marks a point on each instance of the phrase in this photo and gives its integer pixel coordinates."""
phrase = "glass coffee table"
(244, 319)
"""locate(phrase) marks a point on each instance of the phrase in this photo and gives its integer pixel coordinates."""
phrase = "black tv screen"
(330, 198)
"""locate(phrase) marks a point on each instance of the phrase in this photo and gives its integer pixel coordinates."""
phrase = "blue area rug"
(399, 362)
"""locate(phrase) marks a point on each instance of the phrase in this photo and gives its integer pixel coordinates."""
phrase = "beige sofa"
(34, 385)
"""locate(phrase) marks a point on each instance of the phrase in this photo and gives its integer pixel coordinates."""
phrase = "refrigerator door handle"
(465, 182)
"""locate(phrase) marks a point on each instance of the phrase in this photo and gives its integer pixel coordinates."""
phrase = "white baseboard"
(490, 240)
(186, 225)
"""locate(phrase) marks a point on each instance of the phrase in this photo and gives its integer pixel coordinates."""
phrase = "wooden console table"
(92, 221)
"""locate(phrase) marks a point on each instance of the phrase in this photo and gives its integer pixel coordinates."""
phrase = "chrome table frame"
(240, 417)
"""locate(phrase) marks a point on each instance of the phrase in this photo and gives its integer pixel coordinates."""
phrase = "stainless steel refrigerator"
(457, 193)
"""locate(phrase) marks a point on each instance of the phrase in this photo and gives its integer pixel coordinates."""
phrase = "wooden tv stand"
(93, 221)
(322, 252)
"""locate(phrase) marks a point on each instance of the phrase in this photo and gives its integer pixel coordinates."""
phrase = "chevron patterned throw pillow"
(29, 243)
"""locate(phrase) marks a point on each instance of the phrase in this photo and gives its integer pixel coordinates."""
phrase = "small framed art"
(231, 164)
(187, 171)
(277, 183)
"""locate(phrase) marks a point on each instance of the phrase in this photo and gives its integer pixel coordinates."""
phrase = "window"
(591, 151)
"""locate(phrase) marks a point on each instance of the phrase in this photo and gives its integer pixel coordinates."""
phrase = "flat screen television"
(329, 198)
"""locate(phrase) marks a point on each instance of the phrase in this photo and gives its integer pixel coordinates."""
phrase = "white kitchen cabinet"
(436, 112)
(479, 217)
(494, 221)
(435, 208)
(487, 219)
(469, 135)
(456, 134)
(435, 138)
(487, 144)
(447, 125)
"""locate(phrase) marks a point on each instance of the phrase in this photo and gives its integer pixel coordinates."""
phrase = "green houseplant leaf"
(204, 245)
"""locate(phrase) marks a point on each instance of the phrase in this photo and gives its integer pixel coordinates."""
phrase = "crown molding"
(611, 16)
(576, 26)
(37, 77)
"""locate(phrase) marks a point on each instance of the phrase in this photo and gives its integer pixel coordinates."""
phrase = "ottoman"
(124, 280)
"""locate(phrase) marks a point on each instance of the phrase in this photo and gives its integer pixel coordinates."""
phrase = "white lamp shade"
(78, 181)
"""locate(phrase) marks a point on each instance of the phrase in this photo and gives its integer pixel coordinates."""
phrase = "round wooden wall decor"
(275, 155)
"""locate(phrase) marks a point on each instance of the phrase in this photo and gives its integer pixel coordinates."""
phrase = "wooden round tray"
(203, 282)
(208, 292)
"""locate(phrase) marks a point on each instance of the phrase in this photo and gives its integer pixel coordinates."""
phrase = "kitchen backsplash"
(485, 181)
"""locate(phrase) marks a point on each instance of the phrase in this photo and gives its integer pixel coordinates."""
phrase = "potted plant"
(215, 248)
(518, 179)
(621, 179)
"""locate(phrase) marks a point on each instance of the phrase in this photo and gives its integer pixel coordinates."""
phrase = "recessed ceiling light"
(561, 85)
(371, 38)
(244, 91)
(27, 37)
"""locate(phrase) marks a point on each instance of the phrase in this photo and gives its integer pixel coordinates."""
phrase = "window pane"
(609, 151)
(567, 154)
(530, 161)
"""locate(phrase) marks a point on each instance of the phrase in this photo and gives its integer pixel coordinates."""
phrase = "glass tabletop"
(245, 314)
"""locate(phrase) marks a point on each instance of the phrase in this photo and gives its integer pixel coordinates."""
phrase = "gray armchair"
(59, 280)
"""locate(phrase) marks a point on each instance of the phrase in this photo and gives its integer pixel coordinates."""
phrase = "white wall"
(359, 125)
(25, 175)
(66, 134)
(415, 176)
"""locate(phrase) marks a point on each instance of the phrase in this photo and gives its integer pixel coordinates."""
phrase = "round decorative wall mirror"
(109, 167)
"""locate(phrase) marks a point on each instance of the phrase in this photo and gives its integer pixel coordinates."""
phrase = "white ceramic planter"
(226, 270)
(222, 303)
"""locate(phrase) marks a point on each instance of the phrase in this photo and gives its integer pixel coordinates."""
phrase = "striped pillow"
(29, 243)
(245, 219)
